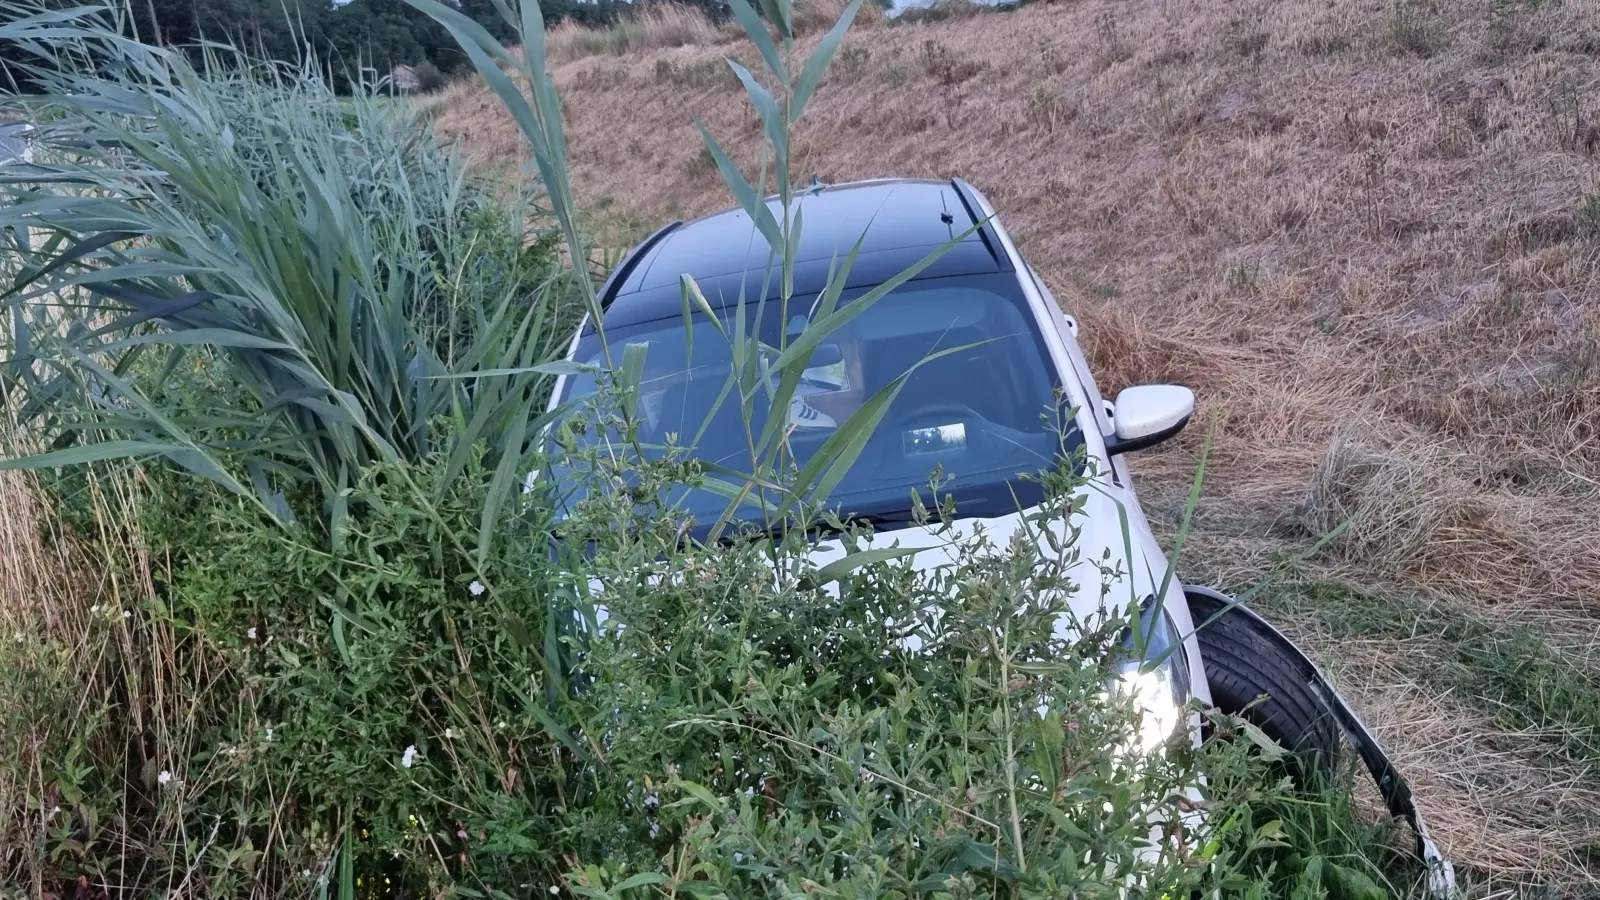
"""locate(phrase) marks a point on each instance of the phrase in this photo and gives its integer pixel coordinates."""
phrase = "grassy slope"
(1366, 231)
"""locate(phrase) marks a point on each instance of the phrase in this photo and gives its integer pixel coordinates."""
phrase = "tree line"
(346, 36)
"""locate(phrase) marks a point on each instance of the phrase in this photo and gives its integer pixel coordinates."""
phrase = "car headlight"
(1152, 670)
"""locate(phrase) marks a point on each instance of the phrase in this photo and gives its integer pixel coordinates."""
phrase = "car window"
(977, 400)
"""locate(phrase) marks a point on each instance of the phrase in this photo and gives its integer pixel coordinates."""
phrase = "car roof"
(897, 221)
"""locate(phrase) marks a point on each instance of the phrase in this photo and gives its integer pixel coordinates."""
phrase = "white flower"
(461, 833)
(305, 873)
(165, 777)
(449, 734)
(409, 758)
(250, 632)
(555, 888)
(55, 811)
(269, 732)
(475, 588)
(95, 608)
(127, 614)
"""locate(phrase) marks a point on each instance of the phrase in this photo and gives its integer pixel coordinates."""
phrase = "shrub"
(652, 26)
(570, 40)
(366, 716)
(813, 16)
(943, 64)
(429, 78)
(664, 23)
(942, 10)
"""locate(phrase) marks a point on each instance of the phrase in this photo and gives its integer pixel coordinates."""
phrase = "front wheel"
(1246, 660)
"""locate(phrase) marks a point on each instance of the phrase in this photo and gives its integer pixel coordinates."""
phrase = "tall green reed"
(344, 291)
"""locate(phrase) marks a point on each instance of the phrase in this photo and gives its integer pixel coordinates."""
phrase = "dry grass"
(1428, 512)
(1362, 231)
(22, 549)
(662, 25)
(655, 26)
(1480, 785)
(71, 615)
(30, 557)
(816, 16)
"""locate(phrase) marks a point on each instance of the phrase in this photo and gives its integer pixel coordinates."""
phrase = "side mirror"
(1147, 414)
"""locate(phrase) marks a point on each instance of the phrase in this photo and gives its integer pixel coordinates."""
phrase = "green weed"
(1414, 28)
(1521, 679)
(1589, 214)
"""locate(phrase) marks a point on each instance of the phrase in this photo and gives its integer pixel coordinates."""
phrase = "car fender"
(1396, 793)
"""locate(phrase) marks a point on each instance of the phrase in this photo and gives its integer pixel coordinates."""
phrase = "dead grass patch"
(1444, 519)
(654, 26)
(22, 552)
(664, 25)
(815, 16)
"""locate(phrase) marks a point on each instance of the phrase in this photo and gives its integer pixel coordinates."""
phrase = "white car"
(991, 359)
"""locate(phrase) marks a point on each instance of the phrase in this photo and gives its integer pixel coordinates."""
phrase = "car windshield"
(980, 404)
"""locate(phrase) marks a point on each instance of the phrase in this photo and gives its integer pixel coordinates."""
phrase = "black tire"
(1243, 661)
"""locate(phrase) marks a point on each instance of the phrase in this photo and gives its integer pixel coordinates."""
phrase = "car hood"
(1106, 561)
(1111, 567)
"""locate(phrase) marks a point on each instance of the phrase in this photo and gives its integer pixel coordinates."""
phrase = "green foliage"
(733, 734)
(1528, 683)
(323, 259)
